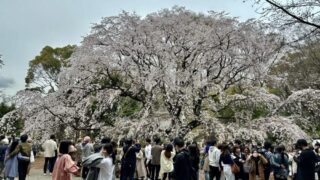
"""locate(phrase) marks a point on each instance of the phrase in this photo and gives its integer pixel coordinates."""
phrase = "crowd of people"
(153, 159)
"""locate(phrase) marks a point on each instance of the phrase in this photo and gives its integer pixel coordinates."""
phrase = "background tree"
(179, 55)
(299, 16)
(300, 69)
(44, 69)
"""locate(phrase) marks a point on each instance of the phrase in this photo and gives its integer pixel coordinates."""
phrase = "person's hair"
(193, 150)
(53, 137)
(280, 148)
(225, 149)
(188, 143)
(157, 140)
(213, 142)
(64, 146)
(168, 150)
(178, 142)
(301, 143)
(234, 150)
(255, 150)
(105, 140)
(24, 138)
(267, 145)
(114, 144)
(148, 140)
(246, 148)
(129, 141)
(13, 145)
(2, 137)
(237, 141)
(109, 148)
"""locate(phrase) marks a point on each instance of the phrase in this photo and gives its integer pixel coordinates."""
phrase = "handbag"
(235, 168)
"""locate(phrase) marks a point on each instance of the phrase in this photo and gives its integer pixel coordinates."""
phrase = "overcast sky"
(26, 26)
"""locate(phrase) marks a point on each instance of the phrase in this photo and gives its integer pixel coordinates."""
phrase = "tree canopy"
(299, 16)
(44, 69)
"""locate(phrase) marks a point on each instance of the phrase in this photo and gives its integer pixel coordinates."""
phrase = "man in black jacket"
(182, 165)
(128, 162)
(306, 161)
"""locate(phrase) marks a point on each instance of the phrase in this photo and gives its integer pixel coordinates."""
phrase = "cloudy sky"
(26, 26)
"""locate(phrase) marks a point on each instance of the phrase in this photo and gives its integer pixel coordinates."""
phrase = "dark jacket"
(306, 165)
(239, 161)
(183, 166)
(129, 155)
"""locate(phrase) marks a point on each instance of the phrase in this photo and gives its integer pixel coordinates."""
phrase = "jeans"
(206, 175)
(215, 173)
(48, 164)
(23, 169)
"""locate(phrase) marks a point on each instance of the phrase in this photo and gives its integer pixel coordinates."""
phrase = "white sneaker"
(45, 174)
(50, 174)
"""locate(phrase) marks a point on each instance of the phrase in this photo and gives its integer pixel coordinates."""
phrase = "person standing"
(280, 164)
(24, 151)
(128, 161)
(267, 153)
(50, 153)
(11, 165)
(155, 161)
(195, 158)
(257, 163)
(65, 166)
(140, 167)
(214, 157)
(166, 162)
(147, 152)
(306, 161)
(226, 162)
(4, 143)
(87, 149)
(182, 167)
(239, 159)
(106, 165)
(78, 146)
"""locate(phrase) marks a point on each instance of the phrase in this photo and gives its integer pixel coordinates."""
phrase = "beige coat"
(261, 163)
(206, 167)
(166, 165)
(141, 169)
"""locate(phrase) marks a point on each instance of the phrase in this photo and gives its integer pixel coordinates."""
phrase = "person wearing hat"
(306, 161)
(4, 143)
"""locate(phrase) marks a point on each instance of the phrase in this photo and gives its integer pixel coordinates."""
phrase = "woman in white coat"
(166, 162)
